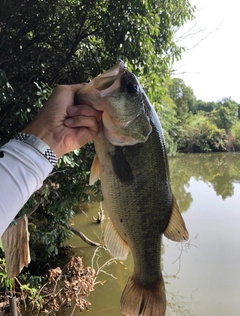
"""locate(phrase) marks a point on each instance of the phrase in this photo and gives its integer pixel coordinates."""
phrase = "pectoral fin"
(176, 229)
(95, 171)
(114, 242)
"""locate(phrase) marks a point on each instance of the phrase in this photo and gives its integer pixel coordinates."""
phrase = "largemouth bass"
(132, 164)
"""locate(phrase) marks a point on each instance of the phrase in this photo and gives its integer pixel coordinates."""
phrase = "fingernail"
(72, 110)
(68, 122)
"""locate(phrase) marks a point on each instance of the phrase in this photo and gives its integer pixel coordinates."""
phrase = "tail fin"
(139, 300)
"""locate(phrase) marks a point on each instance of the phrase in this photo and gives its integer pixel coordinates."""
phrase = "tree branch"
(84, 238)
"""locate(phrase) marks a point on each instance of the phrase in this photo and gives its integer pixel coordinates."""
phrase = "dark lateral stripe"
(121, 166)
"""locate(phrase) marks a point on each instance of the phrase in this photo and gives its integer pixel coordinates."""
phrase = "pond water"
(202, 276)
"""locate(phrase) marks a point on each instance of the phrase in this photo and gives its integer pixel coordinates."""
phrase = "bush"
(202, 137)
(235, 136)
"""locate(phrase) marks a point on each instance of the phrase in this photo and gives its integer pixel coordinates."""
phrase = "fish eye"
(132, 88)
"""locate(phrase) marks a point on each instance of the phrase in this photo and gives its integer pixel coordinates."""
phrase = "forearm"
(22, 172)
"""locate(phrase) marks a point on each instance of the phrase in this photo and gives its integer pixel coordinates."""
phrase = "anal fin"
(115, 244)
(176, 229)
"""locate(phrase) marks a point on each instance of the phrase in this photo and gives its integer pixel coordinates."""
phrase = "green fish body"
(132, 164)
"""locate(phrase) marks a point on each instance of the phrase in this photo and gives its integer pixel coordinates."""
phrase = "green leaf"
(1, 245)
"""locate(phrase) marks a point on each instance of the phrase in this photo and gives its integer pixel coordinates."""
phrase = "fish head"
(119, 95)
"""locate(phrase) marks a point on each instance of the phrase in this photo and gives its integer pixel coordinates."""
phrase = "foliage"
(202, 126)
(202, 106)
(62, 42)
(183, 97)
(235, 134)
(225, 114)
(30, 285)
(202, 136)
(1, 247)
(166, 111)
(6, 284)
(33, 296)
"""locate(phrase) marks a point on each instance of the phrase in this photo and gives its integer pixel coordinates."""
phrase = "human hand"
(63, 125)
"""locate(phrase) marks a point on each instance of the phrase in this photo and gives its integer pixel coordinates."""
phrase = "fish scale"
(140, 211)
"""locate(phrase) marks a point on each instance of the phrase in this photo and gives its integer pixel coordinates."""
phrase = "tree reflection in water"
(220, 170)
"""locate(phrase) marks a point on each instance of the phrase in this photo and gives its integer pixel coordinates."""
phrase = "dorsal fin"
(95, 171)
(115, 244)
(176, 229)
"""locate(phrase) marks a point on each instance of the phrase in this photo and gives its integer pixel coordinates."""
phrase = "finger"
(77, 86)
(64, 94)
(82, 121)
(84, 110)
(84, 135)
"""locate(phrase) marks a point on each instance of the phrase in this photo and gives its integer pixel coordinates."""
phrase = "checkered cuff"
(48, 153)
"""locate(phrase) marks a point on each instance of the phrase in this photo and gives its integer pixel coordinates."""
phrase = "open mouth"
(108, 78)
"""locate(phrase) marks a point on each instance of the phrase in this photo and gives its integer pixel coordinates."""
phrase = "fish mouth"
(107, 79)
(101, 86)
(117, 93)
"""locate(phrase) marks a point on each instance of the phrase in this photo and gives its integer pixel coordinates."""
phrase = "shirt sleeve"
(22, 171)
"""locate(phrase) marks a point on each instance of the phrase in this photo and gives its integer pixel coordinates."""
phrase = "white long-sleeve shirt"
(22, 171)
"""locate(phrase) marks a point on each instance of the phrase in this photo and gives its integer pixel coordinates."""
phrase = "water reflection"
(219, 170)
(202, 276)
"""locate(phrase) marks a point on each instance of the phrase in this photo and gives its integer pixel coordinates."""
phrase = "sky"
(212, 67)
